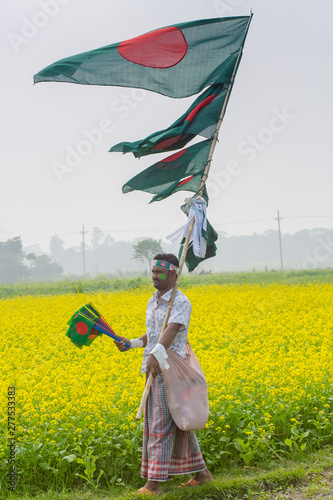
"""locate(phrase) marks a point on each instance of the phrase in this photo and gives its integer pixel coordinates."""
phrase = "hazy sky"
(275, 142)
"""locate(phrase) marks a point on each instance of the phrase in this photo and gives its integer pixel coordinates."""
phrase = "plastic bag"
(186, 391)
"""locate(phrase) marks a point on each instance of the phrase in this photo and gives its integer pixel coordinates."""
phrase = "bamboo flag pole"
(224, 107)
(189, 232)
(166, 319)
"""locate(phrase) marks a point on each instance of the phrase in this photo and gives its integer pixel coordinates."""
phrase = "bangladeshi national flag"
(176, 61)
(181, 171)
(81, 330)
(200, 118)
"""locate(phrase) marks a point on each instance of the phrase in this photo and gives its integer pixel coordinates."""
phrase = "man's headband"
(166, 265)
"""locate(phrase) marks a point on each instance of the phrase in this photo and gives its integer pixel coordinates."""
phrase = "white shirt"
(156, 311)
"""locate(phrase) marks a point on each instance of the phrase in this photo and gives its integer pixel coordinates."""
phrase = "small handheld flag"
(87, 324)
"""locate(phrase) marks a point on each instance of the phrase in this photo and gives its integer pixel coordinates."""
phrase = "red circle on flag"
(82, 328)
(168, 142)
(162, 48)
(174, 157)
(169, 163)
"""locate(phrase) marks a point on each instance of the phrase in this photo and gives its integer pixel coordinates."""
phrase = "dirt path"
(316, 487)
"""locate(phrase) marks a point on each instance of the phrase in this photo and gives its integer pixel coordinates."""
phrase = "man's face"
(162, 278)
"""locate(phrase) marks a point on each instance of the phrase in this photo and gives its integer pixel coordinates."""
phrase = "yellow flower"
(254, 347)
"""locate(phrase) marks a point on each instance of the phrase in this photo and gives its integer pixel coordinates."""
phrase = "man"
(167, 451)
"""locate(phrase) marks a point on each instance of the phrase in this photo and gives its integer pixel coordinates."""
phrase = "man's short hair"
(167, 257)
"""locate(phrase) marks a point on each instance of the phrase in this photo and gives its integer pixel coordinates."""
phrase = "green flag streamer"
(181, 171)
(177, 61)
(200, 118)
(191, 260)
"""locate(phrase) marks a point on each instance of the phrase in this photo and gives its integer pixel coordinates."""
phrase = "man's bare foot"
(203, 476)
(153, 486)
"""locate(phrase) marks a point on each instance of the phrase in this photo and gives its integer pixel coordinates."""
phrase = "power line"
(242, 221)
(272, 218)
(34, 238)
(308, 217)
(170, 228)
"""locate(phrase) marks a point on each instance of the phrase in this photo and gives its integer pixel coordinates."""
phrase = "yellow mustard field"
(267, 353)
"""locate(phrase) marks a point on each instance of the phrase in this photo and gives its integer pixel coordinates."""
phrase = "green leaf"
(240, 445)
(248, 457)
(289, 443)
(44, 466)
(69, 458)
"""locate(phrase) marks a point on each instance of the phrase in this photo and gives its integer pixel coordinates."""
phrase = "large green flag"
(176, 61)
(200, 118)
(181, 171)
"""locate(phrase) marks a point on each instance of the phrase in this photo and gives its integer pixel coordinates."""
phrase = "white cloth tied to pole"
(198, 210)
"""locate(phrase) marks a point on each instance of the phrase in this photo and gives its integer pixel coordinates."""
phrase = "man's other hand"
(153, 366)
(121, 344)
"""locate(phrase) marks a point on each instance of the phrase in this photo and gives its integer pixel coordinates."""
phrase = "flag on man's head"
(181, 171)
(176, 61)
(200, 118)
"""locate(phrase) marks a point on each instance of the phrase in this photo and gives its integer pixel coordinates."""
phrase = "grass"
(237, 483)
(102, 283)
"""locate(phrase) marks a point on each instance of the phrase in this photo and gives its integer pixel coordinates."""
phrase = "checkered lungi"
(167, 450)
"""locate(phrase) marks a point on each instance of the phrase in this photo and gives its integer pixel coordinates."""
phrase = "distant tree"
(56, 247)
(145, 250)
(30, 256)
(34, 248)
(12, 268)
(43, 268)
(96, 237)
(108, 241)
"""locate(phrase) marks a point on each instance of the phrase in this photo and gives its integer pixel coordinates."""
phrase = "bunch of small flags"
(87, 324)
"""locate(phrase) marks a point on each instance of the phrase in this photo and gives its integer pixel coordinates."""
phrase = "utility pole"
(281, 258)
(83, 252)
